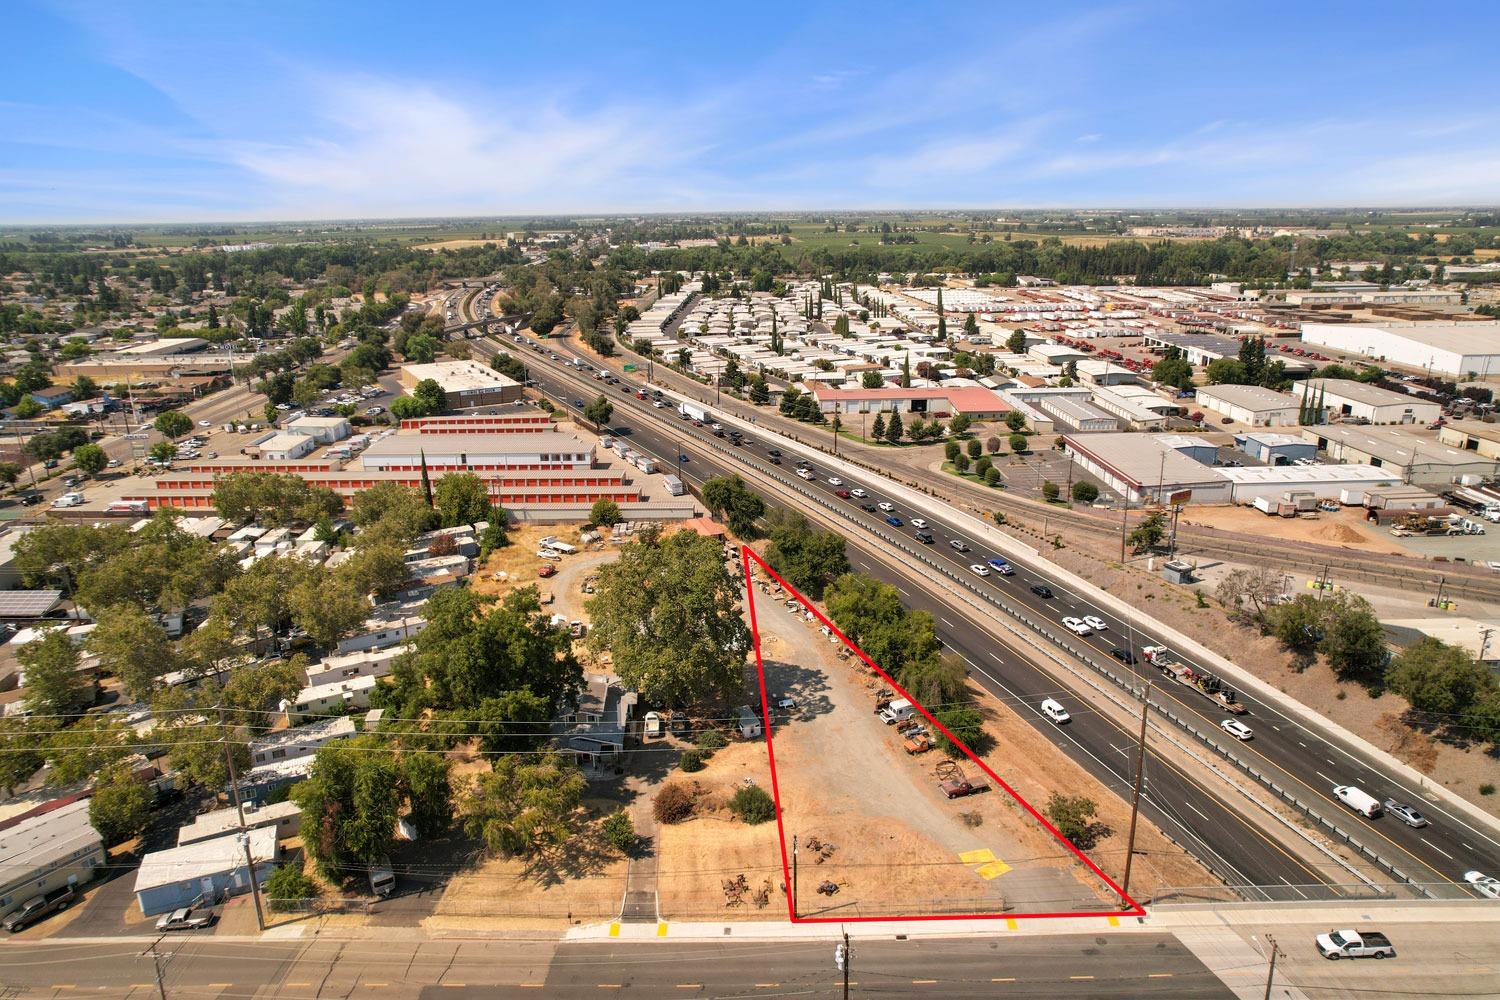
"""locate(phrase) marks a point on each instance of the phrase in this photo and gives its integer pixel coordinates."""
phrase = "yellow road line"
(1009, 979)
(978, 857)
(690, 986)
(611, 986)
(923, 982)
(1158, 975)
(1081, 977)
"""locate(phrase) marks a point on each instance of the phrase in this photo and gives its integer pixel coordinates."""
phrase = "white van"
(1055, 712)
(1359, 800)
(382, 879)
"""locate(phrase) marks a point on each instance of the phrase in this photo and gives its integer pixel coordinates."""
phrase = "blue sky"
(162, 111)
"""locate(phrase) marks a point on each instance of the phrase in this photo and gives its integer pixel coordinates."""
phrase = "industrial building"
(1346, 397)
(1458, 350)
(1414, 459)
(180, 876)
(465, 384)
(1472, 435)
(975, 402)
(1275, 449)
(1477, 638)
(47, 850)
(1140, 467)
(477, 452)
(1251, 404)
(284, 447)
(1078, 414)
(1345, 483)
(323, 430)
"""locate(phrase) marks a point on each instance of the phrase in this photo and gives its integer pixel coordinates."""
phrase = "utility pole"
(1135, 798)
(161, 988)
(1124, 522)
(1271, 972)
(842, 959)
(794, 875)
(239, 806)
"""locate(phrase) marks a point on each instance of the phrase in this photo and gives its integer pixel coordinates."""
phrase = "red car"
(843, 494)
(546, 569)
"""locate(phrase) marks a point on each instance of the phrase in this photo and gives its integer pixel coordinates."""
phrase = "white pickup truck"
(1355, 944)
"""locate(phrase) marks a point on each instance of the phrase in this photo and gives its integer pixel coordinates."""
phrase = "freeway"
(1282, 746)
(1235, 849)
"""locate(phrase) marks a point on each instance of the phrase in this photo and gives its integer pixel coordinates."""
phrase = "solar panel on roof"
(28, 603)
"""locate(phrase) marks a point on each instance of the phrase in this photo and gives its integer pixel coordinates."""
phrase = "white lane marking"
(1198, 811)
(947, 622)
(1322, 775)
(1437, 848)
(1293, 887)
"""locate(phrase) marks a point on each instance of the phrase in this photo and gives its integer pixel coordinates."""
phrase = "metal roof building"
(46, 851)
(1140, 467)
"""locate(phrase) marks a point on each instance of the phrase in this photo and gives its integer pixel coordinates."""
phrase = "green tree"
(1354, 643)
(752, 805)
(604, 512)
(133, 647)
(740, 507)
(1439, 680)
(893, 429)
(53, 685)
(1149, 533)
(426, 782)
(350, 803)
(327, 607)
(9, 473)
(807, 558)
(398, 511)
(461, 498)
(960, 423)
(511, 722)
(1300, 625)
(620, 831)
(974, 448)
(669, 612)
(378, 568)
(173, 423)
(1016, 342)
(273, 500)
(877, 429)
(1085, 492)
(288, 888)
(1019, 444)
(870, 614)
(599, 412)
(1050, 491)
(1173, 369)
(430, 394)
(163, 452)
(1227, 371)
(1073, 816)
(967, 726)
(88, 748)
(1015, 420)
(524, 806)
(120, 807)
(21, 746)
(90, 459)
(871, 380)
(936, 681)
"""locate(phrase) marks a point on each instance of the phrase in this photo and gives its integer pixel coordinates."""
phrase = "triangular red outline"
(747, 554)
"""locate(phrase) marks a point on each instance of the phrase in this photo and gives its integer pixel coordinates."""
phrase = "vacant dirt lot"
(1345, 528)
(899, 846)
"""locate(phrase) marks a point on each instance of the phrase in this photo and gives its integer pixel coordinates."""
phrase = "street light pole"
(239, 805)
(1271, 972)
(794, 875)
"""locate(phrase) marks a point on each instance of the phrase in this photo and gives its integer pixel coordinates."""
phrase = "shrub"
(752, 805)
(620, 831)
(961, 463)
(1085, 492)
(1486, 789)
(992, 445)
(288, 888)
(1073, 815)
(1018, 443)
(951, 449)
(674, 803)
(972, 819)
(1050, 491)
(974, 448)
(712, 739)
(983, 466)
(692, 760)
(991, 476)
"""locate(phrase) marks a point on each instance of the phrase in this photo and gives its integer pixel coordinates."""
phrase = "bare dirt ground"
(1345, 528)
(900, 846)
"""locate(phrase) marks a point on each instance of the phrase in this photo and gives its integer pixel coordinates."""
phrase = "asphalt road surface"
(1294, 754)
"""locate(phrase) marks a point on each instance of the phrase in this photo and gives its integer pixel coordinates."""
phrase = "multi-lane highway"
(1294, 754)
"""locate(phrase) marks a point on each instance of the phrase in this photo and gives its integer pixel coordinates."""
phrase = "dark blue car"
(894, 521)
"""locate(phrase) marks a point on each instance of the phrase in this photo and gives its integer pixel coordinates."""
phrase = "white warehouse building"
(1453, 349)
(1346, 397)
(1251, 404)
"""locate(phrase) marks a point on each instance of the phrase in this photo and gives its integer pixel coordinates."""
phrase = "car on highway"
(1054, 711)
(835, 481)
(775, 460)
(205, 423)
(1077, 626)
(842, 494)
(894, 521)
(869, 508)
(858, 492)
(1095, 622)
(958, 545)
(805, 473)
(184, 919)
(1002, 567)
(886, 506)
(1123, 655)
(1237, 729)
(1041, 590)
(1406, 814)
(578, 403)
(775, 452)
(979, 569)
(1483, 884)
(918, 522)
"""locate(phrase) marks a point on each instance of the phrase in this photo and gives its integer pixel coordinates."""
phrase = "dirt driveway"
(900, 846)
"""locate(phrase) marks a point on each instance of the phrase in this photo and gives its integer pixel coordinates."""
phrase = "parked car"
(1406, 814)
(38, 907)
(185, 919)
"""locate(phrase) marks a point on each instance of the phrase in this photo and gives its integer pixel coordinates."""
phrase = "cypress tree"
(877, 432)
(426, 480)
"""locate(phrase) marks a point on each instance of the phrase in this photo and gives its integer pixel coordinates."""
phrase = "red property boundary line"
(1132, 909)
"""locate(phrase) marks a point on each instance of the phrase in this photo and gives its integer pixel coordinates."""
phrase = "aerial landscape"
(815, 501)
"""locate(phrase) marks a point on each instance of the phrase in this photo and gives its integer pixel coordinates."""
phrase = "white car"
(1077, 626)
(1483, 884)
(205, 423)
(283, 406)
(979, 569)
(857, 492)
(1095, 622)
(917, 522)
(1237, 729)
(836, 481)
(1055, 712)
(886, 506)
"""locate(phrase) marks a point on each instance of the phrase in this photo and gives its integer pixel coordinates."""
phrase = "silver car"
(1405, 813)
